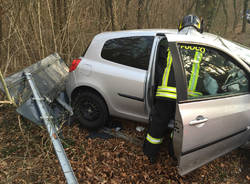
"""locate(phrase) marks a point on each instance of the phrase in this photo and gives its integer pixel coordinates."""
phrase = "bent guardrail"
(38, 92)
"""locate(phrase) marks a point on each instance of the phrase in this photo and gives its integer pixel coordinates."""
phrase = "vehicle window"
(130, 51)
(210, 72)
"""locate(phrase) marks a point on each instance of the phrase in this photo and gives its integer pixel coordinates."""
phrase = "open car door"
(217, 121)
(149, 85)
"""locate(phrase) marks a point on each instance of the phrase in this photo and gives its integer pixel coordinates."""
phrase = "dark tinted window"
(130, 51)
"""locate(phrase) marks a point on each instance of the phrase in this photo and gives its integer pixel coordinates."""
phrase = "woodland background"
(32, 29)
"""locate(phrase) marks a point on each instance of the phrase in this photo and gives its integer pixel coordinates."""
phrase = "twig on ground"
(126, 137)
(6, 89)
(24, 137)
(6, 102)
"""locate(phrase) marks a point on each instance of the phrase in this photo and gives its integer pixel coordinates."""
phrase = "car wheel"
(90, 109)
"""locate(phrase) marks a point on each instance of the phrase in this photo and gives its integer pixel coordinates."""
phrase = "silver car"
(115, 77)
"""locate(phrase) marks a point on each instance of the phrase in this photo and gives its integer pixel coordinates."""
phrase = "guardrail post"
(47, 119)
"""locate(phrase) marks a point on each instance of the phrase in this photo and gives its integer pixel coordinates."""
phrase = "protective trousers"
(162, 112)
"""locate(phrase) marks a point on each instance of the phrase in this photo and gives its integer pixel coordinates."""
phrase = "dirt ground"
(27, 156)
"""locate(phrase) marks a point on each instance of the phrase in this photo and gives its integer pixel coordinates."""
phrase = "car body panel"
(113, 81)
(228, 125)
(228, 118)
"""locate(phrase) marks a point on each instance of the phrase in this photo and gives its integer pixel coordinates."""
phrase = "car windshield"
(240, 50)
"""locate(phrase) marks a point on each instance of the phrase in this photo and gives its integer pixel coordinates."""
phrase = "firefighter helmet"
(191, 20)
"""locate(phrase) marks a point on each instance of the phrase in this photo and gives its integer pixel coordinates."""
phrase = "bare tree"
(189, 7)
(140, 14)
(59, 14)
(111, 9)
(30, 30)
(245, 6)
(235, 15)
(226, 15)
(207, 10)
(126, 14)
(1, 31)
(148, 4)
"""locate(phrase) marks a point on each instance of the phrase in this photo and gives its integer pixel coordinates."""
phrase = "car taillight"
(74, 64)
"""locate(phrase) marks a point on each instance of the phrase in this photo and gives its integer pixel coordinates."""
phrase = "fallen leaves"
(101, 161)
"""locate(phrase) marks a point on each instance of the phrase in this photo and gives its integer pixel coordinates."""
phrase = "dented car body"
(119, 68)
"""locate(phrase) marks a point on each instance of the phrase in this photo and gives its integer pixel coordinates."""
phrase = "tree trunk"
(124, 27)
(1, 22)
(140, 14)
(59, 15)
(189, 9)
(147, 7)
(55, 16)
(206, 10)
(65, 10)
(235, 15)
(115, 14)
(1, 34)
(111, 10)
(245, 6)
(226, 15)
(110, 13)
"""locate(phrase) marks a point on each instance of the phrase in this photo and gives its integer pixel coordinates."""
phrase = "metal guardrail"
(47, 119)
(37, 93)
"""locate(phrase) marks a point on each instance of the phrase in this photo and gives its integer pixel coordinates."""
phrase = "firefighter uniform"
(164, 104)
(163, 109)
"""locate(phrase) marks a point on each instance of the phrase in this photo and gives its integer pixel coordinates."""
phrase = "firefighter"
(163, 108)
(164, 104)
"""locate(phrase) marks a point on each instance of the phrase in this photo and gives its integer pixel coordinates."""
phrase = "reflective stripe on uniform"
(167, 70)
(195, 75)
(166, 94)
(153, 140)
(194, 93)
(164, 90)
(172, 135)
(195, 71)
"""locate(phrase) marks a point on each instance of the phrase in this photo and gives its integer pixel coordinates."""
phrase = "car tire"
(90, 109)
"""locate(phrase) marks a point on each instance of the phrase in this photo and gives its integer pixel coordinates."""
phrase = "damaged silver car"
(115, 77)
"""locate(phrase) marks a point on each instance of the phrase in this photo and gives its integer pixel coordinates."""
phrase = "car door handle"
(198, 120)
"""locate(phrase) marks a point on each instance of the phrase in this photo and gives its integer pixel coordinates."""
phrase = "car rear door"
(127, 59)
(217, 120)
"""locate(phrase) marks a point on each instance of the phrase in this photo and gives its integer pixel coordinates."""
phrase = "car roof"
(172, 35)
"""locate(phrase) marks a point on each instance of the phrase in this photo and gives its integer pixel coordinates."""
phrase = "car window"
(131, 51)
(210, 72)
